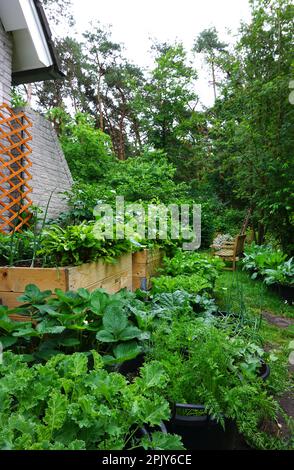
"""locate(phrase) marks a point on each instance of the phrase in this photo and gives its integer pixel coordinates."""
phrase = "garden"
(126, 341)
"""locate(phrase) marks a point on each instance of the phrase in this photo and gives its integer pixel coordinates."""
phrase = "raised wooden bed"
(111, 277)
(145, 266)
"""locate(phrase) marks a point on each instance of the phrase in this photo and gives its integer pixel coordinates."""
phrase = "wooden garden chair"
(232, 250)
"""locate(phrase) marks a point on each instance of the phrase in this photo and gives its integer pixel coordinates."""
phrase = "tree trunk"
(261, 233)
(213, 80)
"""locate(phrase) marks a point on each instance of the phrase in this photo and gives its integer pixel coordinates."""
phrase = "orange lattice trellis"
(14, 174)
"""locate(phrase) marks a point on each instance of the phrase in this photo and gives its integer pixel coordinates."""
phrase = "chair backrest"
(239, 244)
(246, 222)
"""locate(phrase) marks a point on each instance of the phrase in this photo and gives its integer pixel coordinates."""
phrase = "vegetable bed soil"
(110, 277)
(145, 266)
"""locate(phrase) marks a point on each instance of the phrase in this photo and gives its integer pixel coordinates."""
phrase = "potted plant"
(215, 383)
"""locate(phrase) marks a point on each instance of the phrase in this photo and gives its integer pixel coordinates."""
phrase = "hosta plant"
(258, 258)
(283, 274)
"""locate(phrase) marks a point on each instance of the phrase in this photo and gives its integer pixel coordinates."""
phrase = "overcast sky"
(134, 22)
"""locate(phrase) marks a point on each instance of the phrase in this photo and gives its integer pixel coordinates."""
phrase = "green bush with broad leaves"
(88, 150)
(72, 403)
(69, 246)
(74, 321)
(283, 275)
(271, 265)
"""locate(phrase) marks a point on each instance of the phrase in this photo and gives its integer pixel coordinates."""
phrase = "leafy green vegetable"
(64, 404)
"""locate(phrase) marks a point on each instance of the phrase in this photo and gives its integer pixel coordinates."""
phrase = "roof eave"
(37, 75)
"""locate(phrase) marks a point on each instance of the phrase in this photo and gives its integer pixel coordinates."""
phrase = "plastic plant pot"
(201, 432)
(264, 371)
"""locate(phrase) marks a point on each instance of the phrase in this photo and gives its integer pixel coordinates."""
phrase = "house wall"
(49, 170)
(5, 65)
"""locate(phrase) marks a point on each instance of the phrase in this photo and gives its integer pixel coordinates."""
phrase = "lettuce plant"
(185, 262)
(194, 283)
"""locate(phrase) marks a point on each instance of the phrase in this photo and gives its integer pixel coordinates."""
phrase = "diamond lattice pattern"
(14, 170)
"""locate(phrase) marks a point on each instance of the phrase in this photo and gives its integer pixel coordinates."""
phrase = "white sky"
(135, 21)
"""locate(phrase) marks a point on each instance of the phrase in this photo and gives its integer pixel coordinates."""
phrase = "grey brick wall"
(5, 65)
(50, 172)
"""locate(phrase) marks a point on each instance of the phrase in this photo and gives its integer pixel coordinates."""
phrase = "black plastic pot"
(286, 292)
(264, 371)
(147, 430)
(132, 366)
(202, 432)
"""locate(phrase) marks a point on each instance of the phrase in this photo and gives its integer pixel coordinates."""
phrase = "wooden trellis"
(14, 170)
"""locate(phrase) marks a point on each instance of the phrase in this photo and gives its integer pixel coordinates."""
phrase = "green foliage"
(88, 150)
(65, 404)
(188, 271)
(148, 177)
(261, 257)
(269, 264)
(166, 108)
(17, 99)
(252, 121)
(194, 283)
(79, 244)
(75, 321)
(283, 274)
(69, 246)
(186, 262)
(206, 365)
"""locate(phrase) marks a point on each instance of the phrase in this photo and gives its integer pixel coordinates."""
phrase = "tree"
(209, 44)
(88, 150)
(168, 105)
(59, 12)
(252, 138)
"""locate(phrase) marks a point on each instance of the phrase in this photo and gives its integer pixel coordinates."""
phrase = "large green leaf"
(98, 302)
(153, 375)
(33, 295)
(105, 336)
(161, 441)
(26, 332)
(151, 411)
(7, 341)
(114, 319)
(45, 329)
(7, 324)
(56, 411)
(126, 351)
(130, 332)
